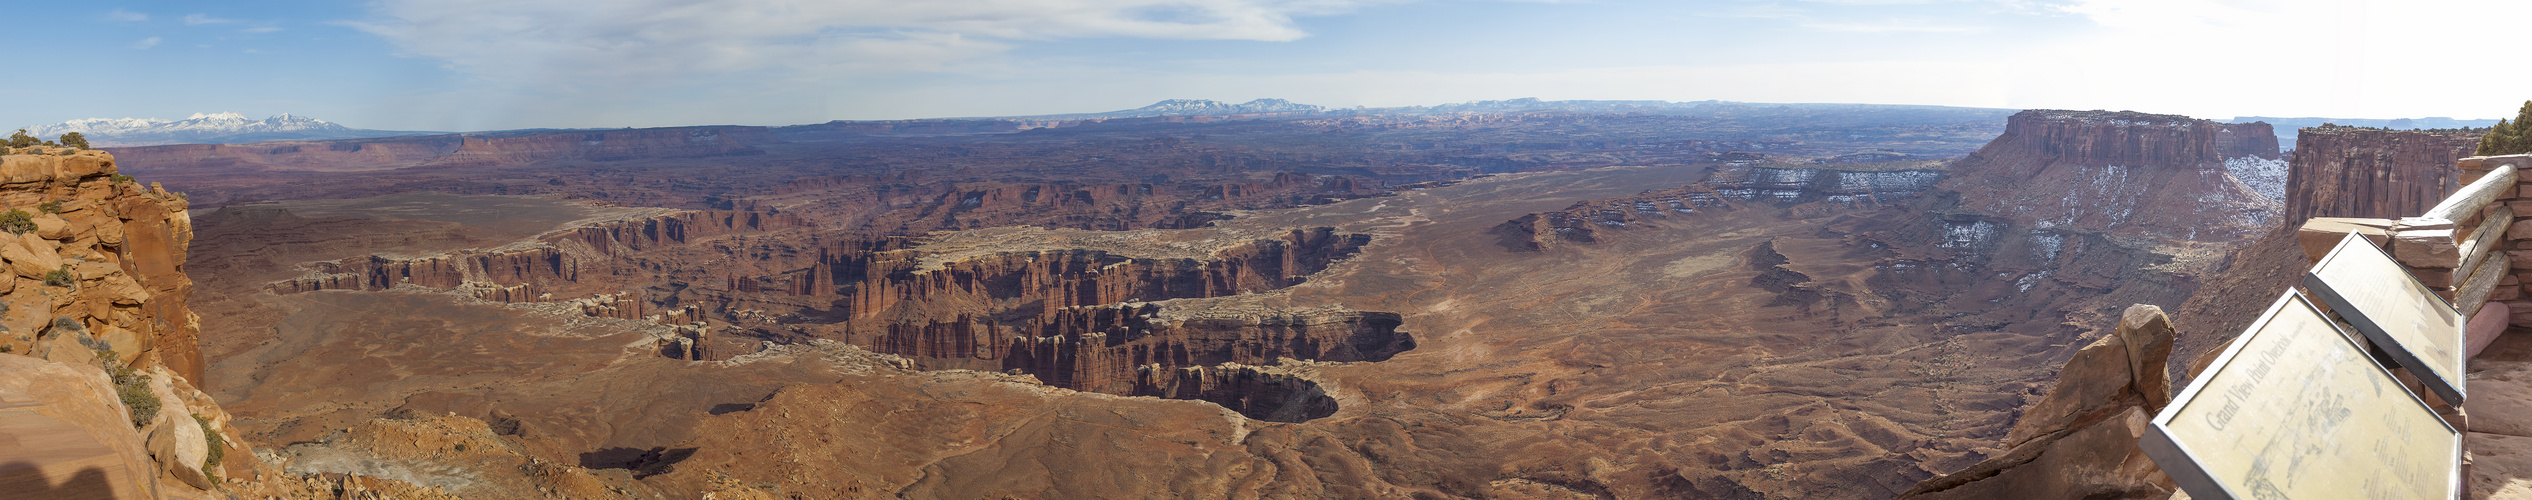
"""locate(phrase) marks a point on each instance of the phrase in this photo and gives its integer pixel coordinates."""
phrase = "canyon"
(1792, 302)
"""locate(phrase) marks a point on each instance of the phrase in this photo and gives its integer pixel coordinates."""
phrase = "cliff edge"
(100, 350)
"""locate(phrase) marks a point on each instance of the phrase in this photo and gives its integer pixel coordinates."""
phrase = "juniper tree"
(2509, 137)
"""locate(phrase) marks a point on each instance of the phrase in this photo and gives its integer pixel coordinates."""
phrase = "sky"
(460, 65)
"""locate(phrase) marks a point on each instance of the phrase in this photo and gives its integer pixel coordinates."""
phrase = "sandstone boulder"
(175, 440)
(76, 439)
(2079, 441)
(52, 227)
(26, 260)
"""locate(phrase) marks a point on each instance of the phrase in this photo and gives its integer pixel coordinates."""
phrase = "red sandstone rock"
(2368, 173)
(2125, 173)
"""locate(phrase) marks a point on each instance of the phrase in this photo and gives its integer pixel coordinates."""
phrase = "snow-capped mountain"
(205, 128)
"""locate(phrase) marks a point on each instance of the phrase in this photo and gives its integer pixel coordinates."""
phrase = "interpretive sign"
(2418, 329)
(2296, 409)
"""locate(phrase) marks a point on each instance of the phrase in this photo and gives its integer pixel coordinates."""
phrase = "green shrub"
(17, 222)
(136, 395)
(132, 387)
(50, 207)
(219, 447)
(75, 140)
(20, 139)
(120, 178)
(60, 277)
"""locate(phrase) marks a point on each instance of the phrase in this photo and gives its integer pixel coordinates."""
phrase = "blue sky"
(495, 64)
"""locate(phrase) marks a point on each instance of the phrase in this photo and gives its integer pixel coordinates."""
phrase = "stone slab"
(2321, 234)
(2415, 325)
(2294, 408)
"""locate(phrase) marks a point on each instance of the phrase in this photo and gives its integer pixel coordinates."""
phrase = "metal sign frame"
(2443, 374)
(2187, 467)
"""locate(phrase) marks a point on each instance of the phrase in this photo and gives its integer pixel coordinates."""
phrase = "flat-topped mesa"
(525, 273)
(2125, 173)
(2372, 173)
(892, 287)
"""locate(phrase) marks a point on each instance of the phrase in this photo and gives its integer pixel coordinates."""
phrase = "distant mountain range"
(1189, 107)
(206, 128)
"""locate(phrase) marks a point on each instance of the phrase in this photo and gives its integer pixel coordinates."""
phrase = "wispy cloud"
(547, 41)
(146, 43)
(1899, 25)
(261, 29)
(198, 19)
(126, 16)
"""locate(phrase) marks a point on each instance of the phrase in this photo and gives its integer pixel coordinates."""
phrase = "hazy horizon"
(482, 65)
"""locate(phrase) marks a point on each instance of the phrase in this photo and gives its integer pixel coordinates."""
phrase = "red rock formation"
(558, 263)
(1088, 277)
(2126, 173)
(1137, 349)
(2373, 173)
(2080, 441)
(2254, 139)
(95, 278)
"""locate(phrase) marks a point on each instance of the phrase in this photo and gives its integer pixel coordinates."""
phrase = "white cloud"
(261, 29)
(126, 16)
(2354, 58)
(202, 19)
(146, 43)
(544, 42)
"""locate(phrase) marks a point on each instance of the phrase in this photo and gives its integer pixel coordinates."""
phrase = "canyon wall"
(1068, 278)
(2372, 173)
(2125, 173)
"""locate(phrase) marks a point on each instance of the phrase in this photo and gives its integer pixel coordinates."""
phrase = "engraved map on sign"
(2377, 296)
(2297, 410)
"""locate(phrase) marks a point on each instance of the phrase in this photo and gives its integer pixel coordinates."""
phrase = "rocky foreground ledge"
(97, 383)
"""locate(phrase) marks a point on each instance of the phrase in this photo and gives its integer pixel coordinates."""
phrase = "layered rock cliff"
(1067, 278)
(2125, 173)
(94, 330)
(2372, 173)
(1146, 349)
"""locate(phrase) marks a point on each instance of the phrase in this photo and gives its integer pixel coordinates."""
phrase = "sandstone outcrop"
(2124, 173)
(2372, 173)
(94, 329)
(2079, 441)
